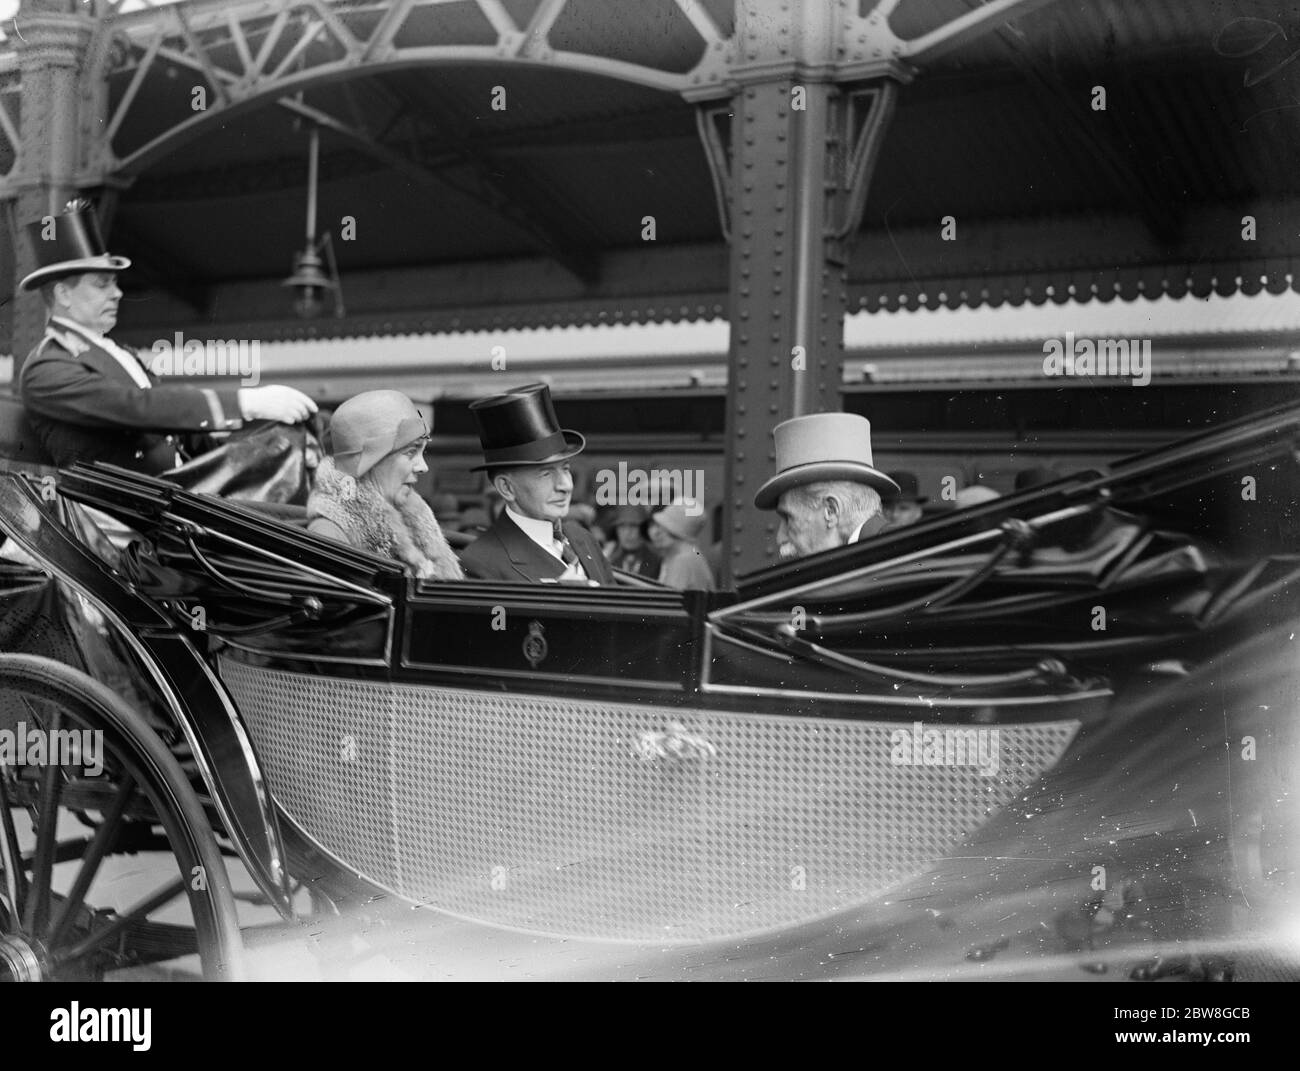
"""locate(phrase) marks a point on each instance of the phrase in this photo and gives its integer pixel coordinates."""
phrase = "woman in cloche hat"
(365, 490)
(675, 534)
(629, 550)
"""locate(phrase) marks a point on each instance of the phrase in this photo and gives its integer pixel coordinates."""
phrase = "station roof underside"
(533, 216)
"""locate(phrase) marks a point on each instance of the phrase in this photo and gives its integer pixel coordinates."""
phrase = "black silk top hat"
(521, 428)
(69, 244)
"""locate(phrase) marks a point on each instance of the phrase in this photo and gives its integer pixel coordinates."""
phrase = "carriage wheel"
(118, 791)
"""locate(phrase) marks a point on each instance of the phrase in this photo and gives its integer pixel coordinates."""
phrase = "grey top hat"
(822, 446)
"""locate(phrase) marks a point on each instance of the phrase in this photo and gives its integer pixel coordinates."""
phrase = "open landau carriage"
(1052, 680)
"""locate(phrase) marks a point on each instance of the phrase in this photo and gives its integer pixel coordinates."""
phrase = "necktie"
(567, 552)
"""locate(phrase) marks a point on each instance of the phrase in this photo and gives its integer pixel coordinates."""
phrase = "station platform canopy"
(1226, 339)
(1083, 151)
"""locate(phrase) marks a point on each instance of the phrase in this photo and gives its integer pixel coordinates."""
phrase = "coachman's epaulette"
(69, 340)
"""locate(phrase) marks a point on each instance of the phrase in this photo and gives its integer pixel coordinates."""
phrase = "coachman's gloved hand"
(274, 402)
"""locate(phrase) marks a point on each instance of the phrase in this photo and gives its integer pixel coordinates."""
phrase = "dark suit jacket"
(643, 561)
(84, 406)
(504, 552)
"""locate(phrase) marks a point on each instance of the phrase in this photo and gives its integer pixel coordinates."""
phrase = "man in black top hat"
(87, 398)
(526, 455)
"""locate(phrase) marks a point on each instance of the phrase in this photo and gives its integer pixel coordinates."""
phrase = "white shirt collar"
(543, 534)
(82, 329)
(540, 532)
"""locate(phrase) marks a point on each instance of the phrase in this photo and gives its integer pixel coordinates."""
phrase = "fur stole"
(410, 535)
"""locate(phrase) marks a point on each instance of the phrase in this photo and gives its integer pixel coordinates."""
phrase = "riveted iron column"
(51, 38)
(812, 87)
(787, 300)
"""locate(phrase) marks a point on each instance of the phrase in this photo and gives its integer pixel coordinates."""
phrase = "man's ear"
(504, 487)
(832, 508)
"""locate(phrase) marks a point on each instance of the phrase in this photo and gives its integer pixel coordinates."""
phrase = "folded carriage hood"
(1155, 558)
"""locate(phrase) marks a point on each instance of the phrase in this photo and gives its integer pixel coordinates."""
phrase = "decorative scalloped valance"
(677, 309)
(1061, 287)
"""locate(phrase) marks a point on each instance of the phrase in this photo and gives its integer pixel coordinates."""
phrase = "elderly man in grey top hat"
(826, 490)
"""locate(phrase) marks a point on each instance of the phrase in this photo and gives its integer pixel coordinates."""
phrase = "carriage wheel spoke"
(38, 903)
(94, 855)
(136, 914)
(10, 856)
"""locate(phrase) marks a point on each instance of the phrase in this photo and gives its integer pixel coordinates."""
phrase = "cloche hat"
(368, 427)
(676, 521)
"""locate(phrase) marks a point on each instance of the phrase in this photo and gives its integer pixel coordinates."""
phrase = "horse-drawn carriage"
(1085, 692)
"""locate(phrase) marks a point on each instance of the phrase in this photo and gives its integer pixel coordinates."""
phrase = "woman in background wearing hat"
(674, 534)
(906, 507)
(628, 550)
(365, 490)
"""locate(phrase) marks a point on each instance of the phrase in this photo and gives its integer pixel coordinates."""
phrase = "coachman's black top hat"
(69, 244)
(521, 428)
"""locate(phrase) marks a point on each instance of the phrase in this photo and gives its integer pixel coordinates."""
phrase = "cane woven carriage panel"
(614, 820)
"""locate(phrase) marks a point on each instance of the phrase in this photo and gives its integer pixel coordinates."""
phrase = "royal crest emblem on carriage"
(535, 645)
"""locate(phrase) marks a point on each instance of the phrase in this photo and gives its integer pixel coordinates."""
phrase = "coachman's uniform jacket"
(84, 406)
(504, 552)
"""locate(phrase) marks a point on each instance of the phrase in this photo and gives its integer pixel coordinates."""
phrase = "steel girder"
(253, 52)
(799, 183)
(793, 151)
